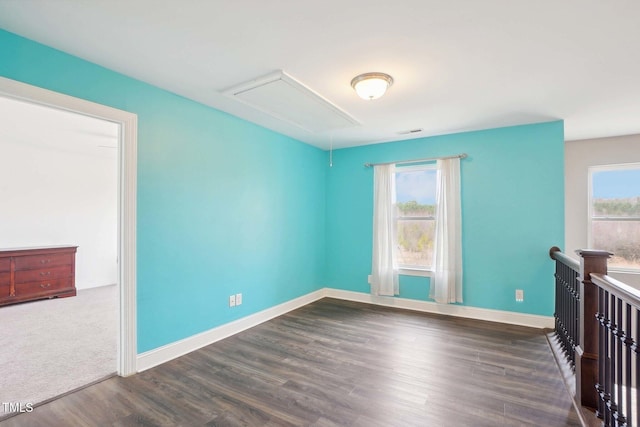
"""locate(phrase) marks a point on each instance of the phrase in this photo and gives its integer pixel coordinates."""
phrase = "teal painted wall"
(224, 206)
(512, 213)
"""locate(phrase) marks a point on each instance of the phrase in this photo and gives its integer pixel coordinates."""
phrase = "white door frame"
(127, 173)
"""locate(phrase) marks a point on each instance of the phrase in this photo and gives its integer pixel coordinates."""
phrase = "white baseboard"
(509, 317)
(176, 349)
(163, 354)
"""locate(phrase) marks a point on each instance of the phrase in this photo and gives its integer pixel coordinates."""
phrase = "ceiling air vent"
(283, 97)
(409, 132)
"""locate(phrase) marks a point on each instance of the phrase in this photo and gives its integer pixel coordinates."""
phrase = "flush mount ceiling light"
(371, 85)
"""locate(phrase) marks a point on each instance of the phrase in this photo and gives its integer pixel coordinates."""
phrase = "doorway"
(125, 149)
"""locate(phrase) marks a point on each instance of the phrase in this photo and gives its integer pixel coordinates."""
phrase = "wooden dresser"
(35, 273)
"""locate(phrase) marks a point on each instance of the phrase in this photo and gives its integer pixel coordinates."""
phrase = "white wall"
(579, 156)
(54, 194)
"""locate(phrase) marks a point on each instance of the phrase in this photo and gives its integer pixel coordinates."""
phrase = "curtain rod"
(461, 156)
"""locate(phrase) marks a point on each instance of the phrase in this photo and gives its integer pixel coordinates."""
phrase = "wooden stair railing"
(618, 360)
(567, 303)
(597, 321)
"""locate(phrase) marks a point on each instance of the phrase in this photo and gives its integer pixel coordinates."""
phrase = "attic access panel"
(283, 97)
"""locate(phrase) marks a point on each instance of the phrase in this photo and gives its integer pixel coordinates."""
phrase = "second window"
(414, 208)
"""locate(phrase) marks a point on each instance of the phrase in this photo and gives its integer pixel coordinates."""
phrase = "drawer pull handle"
(45, 261)
(45, 286)
(45, 274)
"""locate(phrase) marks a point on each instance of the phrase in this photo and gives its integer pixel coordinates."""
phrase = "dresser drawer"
(42, 261)
(4, 290)
(5, 264)
(5, 278)
(49, 273)
(44, 287)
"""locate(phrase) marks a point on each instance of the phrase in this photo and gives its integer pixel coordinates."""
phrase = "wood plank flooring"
(337, 363)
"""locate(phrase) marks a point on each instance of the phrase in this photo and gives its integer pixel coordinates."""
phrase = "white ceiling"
(458, 65)
(48, 128)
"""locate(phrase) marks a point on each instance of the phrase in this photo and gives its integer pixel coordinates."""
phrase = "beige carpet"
(50, 347)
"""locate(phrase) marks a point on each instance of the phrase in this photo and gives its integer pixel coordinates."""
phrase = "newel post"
(591, 261)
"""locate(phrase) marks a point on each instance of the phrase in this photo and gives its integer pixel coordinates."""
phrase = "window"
(417, 227)
(614, 214)
(414, 209)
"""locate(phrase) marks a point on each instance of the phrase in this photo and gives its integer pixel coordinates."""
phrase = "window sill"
(415, 272)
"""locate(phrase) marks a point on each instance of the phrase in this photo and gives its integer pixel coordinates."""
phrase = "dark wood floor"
(337, 363)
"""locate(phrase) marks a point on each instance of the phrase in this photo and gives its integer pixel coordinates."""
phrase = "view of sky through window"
(419, 186)
(616, 184)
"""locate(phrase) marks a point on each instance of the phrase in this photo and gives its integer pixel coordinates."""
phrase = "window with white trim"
(614, 214)
(414, 208)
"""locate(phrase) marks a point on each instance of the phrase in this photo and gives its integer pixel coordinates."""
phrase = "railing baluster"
(574, 309)
(565, 313)
(576, 291)
(618, 365)
(628, 344)
(600, 412)
(605, 363)
(567, 316)
(636, 350)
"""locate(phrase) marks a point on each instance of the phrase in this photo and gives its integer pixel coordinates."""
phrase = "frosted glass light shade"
(371, 85)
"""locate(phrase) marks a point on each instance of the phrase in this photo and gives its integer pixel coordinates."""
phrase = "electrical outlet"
(369, 279)
(238, 299)
(519, 295)
(232, 301)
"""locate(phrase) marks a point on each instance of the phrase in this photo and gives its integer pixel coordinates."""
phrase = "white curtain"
(446, 283)
(384, 277)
